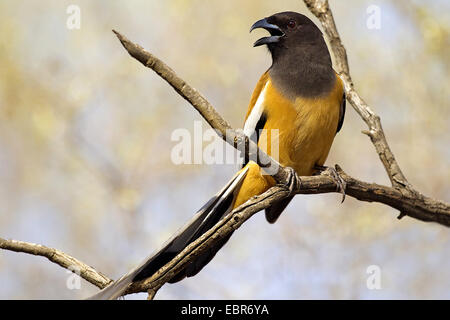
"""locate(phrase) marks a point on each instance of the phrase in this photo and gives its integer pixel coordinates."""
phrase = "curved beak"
(275, 32)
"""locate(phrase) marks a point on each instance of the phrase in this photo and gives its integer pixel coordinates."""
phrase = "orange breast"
(298, 134)
(304, 128)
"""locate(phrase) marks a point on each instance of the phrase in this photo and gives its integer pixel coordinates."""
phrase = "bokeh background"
(85, 148)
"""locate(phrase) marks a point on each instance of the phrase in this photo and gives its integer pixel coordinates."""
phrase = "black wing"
(341, 113)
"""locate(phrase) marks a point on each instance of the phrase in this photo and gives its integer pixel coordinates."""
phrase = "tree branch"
(363, 191)
(422, 210)
(64, 260)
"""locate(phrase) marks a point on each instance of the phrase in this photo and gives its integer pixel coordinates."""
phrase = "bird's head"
(288, 30)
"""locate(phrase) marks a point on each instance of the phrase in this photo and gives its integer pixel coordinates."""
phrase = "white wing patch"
(255, 114)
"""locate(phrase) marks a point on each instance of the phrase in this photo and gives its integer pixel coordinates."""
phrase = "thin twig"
(64, 260)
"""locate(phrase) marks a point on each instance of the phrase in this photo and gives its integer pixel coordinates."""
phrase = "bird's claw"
(333, 174)
(293, 182)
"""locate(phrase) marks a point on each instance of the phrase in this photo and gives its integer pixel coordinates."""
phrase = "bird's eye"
(291, 24)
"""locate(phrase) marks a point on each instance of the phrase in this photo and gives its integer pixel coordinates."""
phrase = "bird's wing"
(342, 109)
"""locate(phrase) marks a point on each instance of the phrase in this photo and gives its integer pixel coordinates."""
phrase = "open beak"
(274, 30)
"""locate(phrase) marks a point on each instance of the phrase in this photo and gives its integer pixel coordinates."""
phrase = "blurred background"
(85, 146)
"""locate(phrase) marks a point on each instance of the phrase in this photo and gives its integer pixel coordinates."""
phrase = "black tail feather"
(203, 220)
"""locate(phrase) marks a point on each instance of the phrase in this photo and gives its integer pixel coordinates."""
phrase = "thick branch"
(86, 272)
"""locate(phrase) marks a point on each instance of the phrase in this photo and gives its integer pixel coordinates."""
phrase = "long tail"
(217, 207)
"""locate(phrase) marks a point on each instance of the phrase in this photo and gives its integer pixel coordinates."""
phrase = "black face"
(301, 62)
(287, 29)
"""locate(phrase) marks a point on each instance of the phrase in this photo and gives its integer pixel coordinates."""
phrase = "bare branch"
(64, 260)
(423, 210)
(310, 185)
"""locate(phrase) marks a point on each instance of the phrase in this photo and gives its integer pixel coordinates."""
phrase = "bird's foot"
(292, 182)
(333, 174)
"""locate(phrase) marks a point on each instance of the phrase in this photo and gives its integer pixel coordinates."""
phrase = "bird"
(302, 98)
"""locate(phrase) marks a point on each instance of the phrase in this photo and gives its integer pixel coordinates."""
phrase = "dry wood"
(64, 260)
